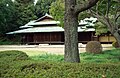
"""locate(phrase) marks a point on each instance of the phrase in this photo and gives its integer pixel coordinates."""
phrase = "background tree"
(57, 10)
(100, 28)
(7, 17)
(15, 14)
(25, 11)
(109, 16)
(42, 7)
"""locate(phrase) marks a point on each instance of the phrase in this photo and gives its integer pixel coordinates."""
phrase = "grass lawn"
(30, 52)
(16, 64)
(105, 57)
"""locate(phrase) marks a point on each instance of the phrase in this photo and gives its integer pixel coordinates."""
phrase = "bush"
(6, 41)
(28, 69)
(49, 69)
(115, 44)
(94, 47)
(13, 55)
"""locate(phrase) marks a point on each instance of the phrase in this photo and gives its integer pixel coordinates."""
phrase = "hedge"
(28, 68)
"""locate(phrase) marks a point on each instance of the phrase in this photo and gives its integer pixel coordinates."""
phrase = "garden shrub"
(6, 41)
(48, 69)
(27, 69)
(94, 47)
(115, 44)
(13, 55)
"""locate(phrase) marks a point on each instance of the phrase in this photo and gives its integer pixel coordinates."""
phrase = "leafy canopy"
(42, 7)
(57, 10)
(7, 14)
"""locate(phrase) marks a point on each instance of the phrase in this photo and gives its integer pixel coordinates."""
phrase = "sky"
(35, 1)
(13, 0)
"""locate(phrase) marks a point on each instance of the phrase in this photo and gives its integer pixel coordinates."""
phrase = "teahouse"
(47, 30)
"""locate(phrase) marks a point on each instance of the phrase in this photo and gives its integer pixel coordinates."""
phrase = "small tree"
(100, 28)
(108, 13)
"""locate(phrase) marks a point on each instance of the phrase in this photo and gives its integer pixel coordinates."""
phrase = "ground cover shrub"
(29, 68)
(6, 41)
(13, 55)
(8, 61)
(71, 70)
(94, 47)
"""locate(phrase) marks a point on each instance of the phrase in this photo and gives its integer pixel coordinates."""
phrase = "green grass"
(35, 52)
(48, 57)
(107, 56)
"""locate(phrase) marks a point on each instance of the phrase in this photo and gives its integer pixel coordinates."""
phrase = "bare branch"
(117, 17)
(108, 7)
(102, 19)
(87, 5)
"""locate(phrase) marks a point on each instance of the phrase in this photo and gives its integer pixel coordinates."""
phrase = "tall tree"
(57, 10)
(7, 16)
(42, 7)
(25, 11)
(72, 9)
(109, 16)
(15, 14)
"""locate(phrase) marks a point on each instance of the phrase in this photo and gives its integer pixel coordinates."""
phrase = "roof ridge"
(46, 15)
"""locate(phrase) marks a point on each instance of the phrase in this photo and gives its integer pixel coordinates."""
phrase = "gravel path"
(41, 49)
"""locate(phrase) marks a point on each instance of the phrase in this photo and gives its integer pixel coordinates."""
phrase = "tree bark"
(71, 33)
(71, 39)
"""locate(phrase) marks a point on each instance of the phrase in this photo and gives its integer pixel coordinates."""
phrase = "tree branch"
(116, 16)
(87, 5)
(99, 17)
(102, 19)
(108, 7)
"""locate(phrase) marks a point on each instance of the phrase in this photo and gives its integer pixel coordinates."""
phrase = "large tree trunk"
(71, 33)
(72, 9)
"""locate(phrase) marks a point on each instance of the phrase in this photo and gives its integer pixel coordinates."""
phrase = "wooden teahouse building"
(46, 30)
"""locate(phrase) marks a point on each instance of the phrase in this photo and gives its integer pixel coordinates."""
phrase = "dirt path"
(42, 49)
